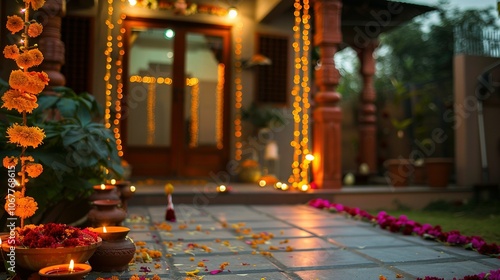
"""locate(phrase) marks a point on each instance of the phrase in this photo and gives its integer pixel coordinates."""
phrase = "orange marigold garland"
(24, 85)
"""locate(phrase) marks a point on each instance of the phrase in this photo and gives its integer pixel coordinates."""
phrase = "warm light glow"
(284, 187)
(132, 2)
(221, 188)
(232, 12)
(169, 34)
(219, 107)
(151, 118)
(132, 188)
(309, 157)
(113, 181)
(103, 187)
(262, 183)
(104, 229)
(300, 93)
(195, 113)
(238, 94)
(71, 266)
(304, 187)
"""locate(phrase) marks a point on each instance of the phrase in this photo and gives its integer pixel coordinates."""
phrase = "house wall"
(467, 145)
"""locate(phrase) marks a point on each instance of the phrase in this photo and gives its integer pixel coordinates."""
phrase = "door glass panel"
(203, 94)
(150, 87)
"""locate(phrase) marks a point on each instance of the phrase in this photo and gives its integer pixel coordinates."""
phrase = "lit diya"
(73, 271)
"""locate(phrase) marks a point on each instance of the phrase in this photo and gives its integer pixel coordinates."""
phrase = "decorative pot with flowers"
(40, 246)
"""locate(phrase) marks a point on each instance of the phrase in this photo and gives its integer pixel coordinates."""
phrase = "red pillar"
(367, 114)
(327, 115)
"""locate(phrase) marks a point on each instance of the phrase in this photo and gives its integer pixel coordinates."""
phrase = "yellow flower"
(35, 29)
(25, 136)
(35, 4)
(11, 51)
(18, 79)
(25, 207)
(36, 82)
(37, 56)
(15, 23)
(22, 102)
(169, 188)
(25, 60)
(34, 169)
(8, 162)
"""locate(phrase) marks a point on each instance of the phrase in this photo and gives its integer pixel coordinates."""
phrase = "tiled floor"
(286, 242)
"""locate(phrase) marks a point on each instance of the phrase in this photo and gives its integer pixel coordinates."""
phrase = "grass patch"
(472, 219)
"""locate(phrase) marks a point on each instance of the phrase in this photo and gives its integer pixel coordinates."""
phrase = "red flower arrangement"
(52, 235)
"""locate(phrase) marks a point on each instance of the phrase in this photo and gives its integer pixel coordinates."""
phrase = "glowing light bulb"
(132, 188)
(232, 12)
(262, 183)
(103, 187)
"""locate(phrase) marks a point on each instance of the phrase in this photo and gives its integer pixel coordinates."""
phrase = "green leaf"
(67, 107)
(46, 101)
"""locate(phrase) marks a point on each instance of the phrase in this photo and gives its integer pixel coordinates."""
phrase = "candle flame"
(71, 266)
(0, 241)
(132, 188)
(103, 187)
(104, 229)
(113, 181)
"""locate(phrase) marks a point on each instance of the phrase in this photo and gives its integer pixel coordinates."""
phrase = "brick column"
(327, 115)
(367, 152)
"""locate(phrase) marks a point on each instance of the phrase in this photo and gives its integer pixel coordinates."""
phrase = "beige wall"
(467, 148)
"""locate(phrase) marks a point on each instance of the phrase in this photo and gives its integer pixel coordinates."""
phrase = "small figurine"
(170, 214)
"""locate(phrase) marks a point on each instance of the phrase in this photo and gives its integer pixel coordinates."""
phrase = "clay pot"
(398, 171)
(106, 213)
(115, 252)
(438, 171)
(104, 192)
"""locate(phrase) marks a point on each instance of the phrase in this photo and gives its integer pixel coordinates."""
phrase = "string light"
(219, 106)
(151, 105)
(195, 104)
(300, 93)
(107, 77)
(119, 84)
(238, 95)
(295, 176)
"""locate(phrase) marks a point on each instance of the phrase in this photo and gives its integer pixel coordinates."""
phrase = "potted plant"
(76, 153)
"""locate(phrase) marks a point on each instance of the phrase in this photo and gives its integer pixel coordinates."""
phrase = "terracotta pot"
(33, 259)
(116, 251)
(106, 213)
(104, 191)
(420, 175)
(438, 171)
(398, 172)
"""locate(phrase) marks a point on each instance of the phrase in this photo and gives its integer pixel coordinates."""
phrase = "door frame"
(178, 158)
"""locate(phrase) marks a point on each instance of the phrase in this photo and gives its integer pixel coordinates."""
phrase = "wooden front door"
(176, 99)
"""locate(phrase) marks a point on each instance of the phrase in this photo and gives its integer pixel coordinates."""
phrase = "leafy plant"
(78, 150)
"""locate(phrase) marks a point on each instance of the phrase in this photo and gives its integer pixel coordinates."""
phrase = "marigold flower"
(26, 207)
(18, 79)
(25, 60)
(37, 82)
(8, 162)
(11, 51)
(35, 29)
(25, 136)
(37, 56)
(27, 158)
(22, 102)
(35, 4)
(34, 169)
(15, 23)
